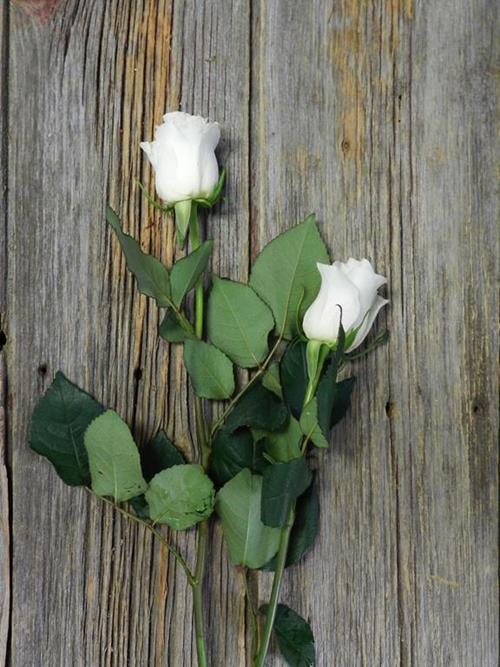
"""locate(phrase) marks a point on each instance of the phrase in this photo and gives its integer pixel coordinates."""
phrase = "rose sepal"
(208, 202)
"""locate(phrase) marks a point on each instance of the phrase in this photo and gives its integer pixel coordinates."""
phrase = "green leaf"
(115, 467)
(342, 399)
(211, 372)
(284, 444)
(238, 322)
(172, 331)
(248, 540)
(285, 273)
(231, 452)
(293, 376)
(305, 528)
(282, 484)
(152, 277)
(310, 426)
(258, 408)
(181, 496)
(158, 454)
(187, 270)
(58, 424)
(271, 379)
(330, 405)
(294, 635)
(140, 506)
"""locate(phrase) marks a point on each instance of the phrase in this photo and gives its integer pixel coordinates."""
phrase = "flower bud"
(183, 157)
(348, 290)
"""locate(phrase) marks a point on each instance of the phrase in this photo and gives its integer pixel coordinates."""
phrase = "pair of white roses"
(183, 157)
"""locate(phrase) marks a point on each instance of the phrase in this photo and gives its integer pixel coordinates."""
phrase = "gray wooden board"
(379, 116)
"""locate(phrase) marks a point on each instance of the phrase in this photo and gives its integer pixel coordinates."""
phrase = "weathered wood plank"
(88, 83)
(4, 482)
(378, 116)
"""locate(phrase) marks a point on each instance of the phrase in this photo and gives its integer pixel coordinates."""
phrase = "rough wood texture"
(380, 117)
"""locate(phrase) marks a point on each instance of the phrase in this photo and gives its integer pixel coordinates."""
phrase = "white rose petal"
(183, 157)
(353, 286)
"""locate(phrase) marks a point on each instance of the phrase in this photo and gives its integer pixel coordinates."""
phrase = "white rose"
(183, 157)
(353, 286)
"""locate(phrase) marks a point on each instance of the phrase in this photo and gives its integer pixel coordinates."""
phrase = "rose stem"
(201, 437)
(281, 556)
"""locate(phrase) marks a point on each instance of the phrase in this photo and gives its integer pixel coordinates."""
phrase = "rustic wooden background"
(378, 115)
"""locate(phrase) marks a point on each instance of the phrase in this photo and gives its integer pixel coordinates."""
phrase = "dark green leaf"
(248, 540)
(342, 400)
(158, 454)
(231, 452)
(328, 407)
(58, 425)
(325, 396)
(152, 277)
(282, 484)
(294, 635)
(258, 408)
(187, 270)
(115, 467)
(211, 372)
(285, 274)
(305, 528)
(271, 379)
(238, 322)
(140, 506)
(293, 376)
(171, 329)
(181, 496)
(284, 444)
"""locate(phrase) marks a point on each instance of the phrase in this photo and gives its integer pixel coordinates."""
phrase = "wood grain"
(379, 116)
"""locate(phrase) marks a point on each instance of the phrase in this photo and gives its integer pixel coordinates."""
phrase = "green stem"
(278, 576)
(156, 533)
(283, 550)
(216, 425)
(201, 437)
(194, 232)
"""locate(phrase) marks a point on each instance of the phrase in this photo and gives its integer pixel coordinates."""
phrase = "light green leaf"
(115, 467)
(180, 496)
(59, 422)
(187, 270)
(248, 540)
(239, 322)
(211, 372)
(310, 426)
(182, 217)
(152, 277)
(285, 273)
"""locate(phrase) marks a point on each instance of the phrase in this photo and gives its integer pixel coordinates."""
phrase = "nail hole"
(390, 409)
(3, 340)
(42, 369)
(138, 373)
(475, 408)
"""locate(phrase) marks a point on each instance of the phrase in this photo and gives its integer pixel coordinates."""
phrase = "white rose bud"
(353, 286)
(183, 157)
